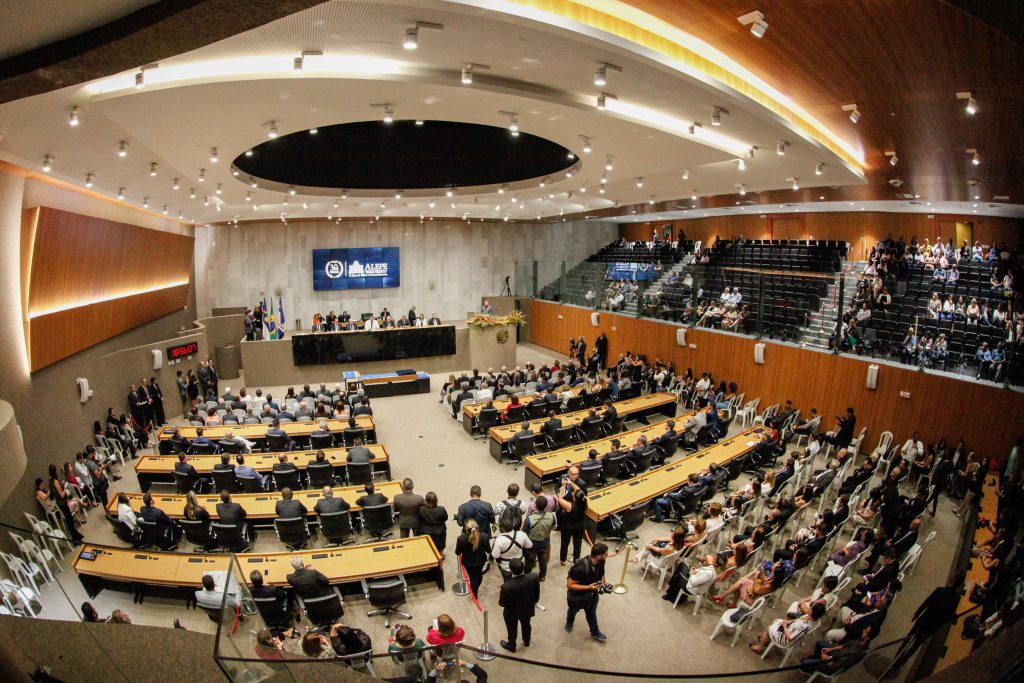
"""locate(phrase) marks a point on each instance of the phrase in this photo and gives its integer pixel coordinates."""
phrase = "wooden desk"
(185, 571)
(659, 481)
(153, 468)
(638, 408)
(471, 411)
(387, 383)
(554, 463)
(258, 506)
(258, 432)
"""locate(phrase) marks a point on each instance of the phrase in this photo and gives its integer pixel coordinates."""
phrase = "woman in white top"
(934, 306)
(948, 308)
(125, 513)
(801, 607)
(783, 632)
(973, 312)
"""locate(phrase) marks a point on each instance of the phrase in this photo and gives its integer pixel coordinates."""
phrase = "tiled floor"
(645, 633)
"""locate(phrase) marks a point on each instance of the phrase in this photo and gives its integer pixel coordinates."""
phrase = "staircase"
(677, 269)
(823, 321)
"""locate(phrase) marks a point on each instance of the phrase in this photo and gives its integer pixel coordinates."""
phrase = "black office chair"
(560, 438)
(617, 426)
(669, 448)
(183, 482)
(276, 443)
(274, 612)
(591, 475)
(336, 527)
(124, 533)
(292, 532)
(521, 447)
(352, 433)
(324, 610)
(612, 466)
(537, 409)
(378, 520)
(291, 479)
(225, 480)
(230, 537)
(318, 441)
(155, 535)
(230, 447)
(515, 414)
(589, 431)
(359, 473)
(487, 418)
(203, 448)
(250, 484)
(623, 524)
(320, 474)
(687, 506)
(573, 404)
(643, 463)
(386, 595)
(198, 534)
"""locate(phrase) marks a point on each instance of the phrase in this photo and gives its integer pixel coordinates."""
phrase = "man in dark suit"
(198, 484)
(284, 468)
(592, 417)
(885, 575)
(476, 509)
(232, 513)
(201, 440)
(407, 504)
(288, 507)
(205, 383)
(285, 414)
(363, 408)
(524, 431)
(136, 406)
(359, 454)
(631, 464)
(682, 496)
(519, 597)
(370, 497)
(151, 513)
(276, 431)
(464, 395)
(663, 442)
(610, 415)
(214, 377)
(322, 430)
(307, 582)
(553, 422)
(601, 345)
(145, 395)
(329, 503)
(412, 316)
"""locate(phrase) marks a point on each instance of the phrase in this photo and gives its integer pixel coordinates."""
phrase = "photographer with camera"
(585, 585)
(571, 515)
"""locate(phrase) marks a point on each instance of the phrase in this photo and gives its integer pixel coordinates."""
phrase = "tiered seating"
(640, 252)
(817, 256)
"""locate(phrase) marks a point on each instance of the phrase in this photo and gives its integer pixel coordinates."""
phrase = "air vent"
(1001, 197)
(904, 195)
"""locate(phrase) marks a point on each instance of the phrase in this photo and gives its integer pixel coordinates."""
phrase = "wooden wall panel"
(862, 229)
(87, 279)
(936, 407)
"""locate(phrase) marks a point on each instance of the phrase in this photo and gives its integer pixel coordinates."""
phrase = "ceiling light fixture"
(272, 129)
(604, 179)
(140, 77)
(410, 39)
(780, 149)
(602, 100)
(449, 192)
(818, 168)
(234, 172)
(716, 115)
(248, 196)
(202, 175)
(299, 61)
(214, 158)
(796, 183)
(120, 193)
(176, 184)
(152, 168)
(145, 202)
(248, 152)
(252, 183)
(741, 164)
(314, 131)
(693, 195)
(893, 159)
(467, 72)
(975, 157)
(344, 194)
(587, 149)
(601, 75)
(122, 149)
(191, 193)
(545, 180)
(854, 112)
(971, 105)
(88, 179)
(291, 190)
(743, 190)
(220, 189)
(398, 194)
(73, 118)
(755, 20)
(692, 128)
(419, 122)
(639, 182)
(651, 200)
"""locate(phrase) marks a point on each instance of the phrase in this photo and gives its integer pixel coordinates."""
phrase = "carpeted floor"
(644, 633)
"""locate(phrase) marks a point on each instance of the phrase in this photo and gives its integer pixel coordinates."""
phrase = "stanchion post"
(621, 586)
(460, 587)
(487, 646)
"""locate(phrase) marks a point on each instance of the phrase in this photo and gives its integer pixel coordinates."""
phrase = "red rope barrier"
(465, 577)
(238, 613)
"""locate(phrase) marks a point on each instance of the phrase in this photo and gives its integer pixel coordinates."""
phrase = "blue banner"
(367, 268)
(625, 270)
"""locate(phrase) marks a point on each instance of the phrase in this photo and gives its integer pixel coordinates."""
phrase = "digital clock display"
(182, 350)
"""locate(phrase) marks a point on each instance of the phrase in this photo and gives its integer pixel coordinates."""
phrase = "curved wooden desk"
(258, 432)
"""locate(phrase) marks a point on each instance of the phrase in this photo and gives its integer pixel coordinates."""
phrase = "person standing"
(407, 504)
(145, 396)
(257, 320)
(250, 332)
(937, 610)
(157, 394)
(214, 377)
(601, 345)
(572, 501)
(432, 521)
(519, 597)
(586, 577)
(183, 393)
(538, 526)
(205, 380)
(472, 552)
(193, 388)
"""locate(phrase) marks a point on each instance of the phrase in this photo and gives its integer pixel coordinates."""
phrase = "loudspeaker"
(83, 389)
(158, 359)
(681, 336)
(759, 352)
(595, 318)
(872, 380)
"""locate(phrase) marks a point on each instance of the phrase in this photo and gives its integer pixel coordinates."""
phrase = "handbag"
(978, 594)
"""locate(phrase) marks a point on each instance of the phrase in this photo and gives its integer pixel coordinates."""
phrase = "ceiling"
(541, 67)
(31, 25)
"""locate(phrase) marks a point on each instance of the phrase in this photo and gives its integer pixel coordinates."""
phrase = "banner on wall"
(623, 270)
(362, 268)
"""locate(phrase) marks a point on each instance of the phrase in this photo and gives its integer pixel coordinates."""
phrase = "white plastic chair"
(884, 442)
(24, 573)
(747, 413)
(19, 599)
(54, 537)
(31, 554)
(789, 647)
(769, 412)
(909, 563)
(855, 444)
(744, 621)
(662, 564)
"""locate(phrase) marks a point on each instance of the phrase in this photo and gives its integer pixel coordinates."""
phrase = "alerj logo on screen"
(365, 268)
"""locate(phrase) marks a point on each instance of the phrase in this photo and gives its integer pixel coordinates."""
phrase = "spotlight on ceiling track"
(601, 75)
(741, 164)
(893, 159)
(410, 39)
(587, 149)
(970, 105)
(468, 69)
(602, 100)
(271, 129)
(608, 162)
(692, 128)
(214, 158)
(176, 184)
(120, 193)
(818, 168)
(854, 112)
(73, 117)
(140, 77)
(152, 168)
(975, 157)
(122, 149)
(686, 174)
(513, 122)
(299, 61)
(716, 115)
(88, 179)
(755, 20)
(780, 149)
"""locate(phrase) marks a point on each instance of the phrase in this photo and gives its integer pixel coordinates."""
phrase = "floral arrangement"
(517, 318)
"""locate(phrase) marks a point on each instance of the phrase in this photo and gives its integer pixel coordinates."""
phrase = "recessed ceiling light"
(73, 117)
(122, 149)
(176, 184)
(818, 167)
(120, 193)
(152, 168)
(272, 130)
(88, 179)
(214, 157)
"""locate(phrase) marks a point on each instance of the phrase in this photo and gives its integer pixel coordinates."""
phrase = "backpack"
(351, 641)
(513, 514)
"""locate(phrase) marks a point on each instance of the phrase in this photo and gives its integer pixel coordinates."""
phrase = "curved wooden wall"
(87, 279)
(986, 417)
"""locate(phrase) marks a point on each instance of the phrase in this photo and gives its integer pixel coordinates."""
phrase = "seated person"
(371, 497)
(288, 507)
(359, 454)
(631, 463)
(276, 431)
(783, 632)
(689, 581)
(197, 483)
(307, 582)
(663, 441)
(765, 579)
(243, 470)
(329, 503)
(683, 497)
(209, 597)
